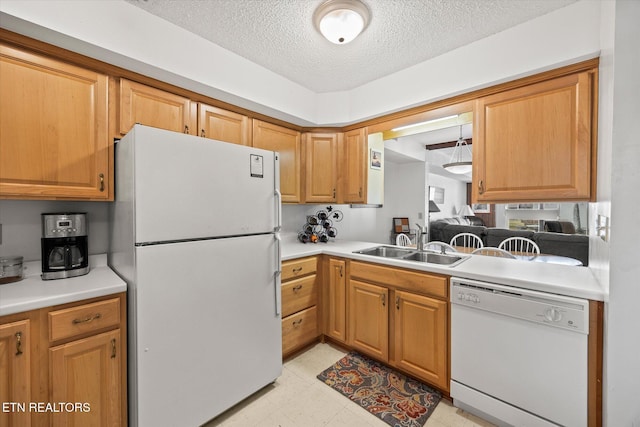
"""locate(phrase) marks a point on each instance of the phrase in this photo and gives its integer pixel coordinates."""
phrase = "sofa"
(570, 245)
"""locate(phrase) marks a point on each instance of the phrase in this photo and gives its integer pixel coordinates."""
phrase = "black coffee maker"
(64, 245)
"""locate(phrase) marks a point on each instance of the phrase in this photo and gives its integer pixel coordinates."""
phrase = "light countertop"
(554, 278)
(33, 293)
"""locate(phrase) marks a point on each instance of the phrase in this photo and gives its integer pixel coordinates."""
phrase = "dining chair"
(441, 247)
(468, 240)
(519, 244)
(497, 252)
(403, 240)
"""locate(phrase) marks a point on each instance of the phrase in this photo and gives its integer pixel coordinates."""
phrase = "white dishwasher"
(519, 357)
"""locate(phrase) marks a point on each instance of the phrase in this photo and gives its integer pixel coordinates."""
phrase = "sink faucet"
(420, 238)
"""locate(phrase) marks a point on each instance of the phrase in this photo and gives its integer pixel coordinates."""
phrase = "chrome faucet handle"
(420, 237)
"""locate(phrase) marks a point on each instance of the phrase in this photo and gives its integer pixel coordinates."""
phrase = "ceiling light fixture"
(340, 21)
(456, 164)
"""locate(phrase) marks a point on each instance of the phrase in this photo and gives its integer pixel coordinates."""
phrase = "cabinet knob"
(397, 303)
(186, 129)
(297, 288)
(480, 187)
(202, 134)
(384, 299)
(101, 176)
(113, 348)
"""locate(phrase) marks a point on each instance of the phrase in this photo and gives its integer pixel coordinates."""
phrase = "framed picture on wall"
(481, 208)
(375, 159)
(401, 225)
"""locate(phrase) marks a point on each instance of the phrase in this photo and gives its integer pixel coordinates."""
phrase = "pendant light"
(456, 164)
(340, 21)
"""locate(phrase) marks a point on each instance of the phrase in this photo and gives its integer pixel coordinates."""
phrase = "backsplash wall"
(22, 225)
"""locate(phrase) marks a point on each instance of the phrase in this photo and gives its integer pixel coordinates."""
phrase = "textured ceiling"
(279, 34)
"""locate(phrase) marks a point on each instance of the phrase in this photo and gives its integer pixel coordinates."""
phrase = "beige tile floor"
(299, 399)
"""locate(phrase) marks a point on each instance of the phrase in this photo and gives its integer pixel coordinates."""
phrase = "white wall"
(404, 197)
(455, 195)
(622, 336)
(22, 225)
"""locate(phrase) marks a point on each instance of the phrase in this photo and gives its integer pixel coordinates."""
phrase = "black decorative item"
(319, 227)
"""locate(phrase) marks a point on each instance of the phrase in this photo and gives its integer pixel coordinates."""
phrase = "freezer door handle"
(277, 275)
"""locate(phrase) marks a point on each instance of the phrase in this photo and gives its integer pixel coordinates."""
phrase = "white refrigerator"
(194, 233)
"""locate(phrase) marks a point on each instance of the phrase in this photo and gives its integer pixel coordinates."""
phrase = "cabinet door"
(337, 304)
(287, 143)
(88, 371)
(420, 337)
(321, 167)
(354, 166)
(54, 139)
(15, 378)
(154, 107)
(368, 319)
(223, 125)
(535, 142)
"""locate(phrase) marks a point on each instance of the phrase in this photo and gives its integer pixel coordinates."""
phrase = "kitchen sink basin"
(386, 252)
(433, 258)
(449, 260)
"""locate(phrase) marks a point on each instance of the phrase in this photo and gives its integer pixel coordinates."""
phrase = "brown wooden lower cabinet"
(401, 317)
(420, 337)
(66, 364)
(300, 314)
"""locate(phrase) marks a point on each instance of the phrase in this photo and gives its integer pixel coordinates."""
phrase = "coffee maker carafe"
(64, 245)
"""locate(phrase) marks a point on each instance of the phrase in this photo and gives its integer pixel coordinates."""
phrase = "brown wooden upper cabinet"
(154, 107)
(321, 167)
(354, 166)
(223, 125)
(54, 138)
(536, 142)
(287, 143)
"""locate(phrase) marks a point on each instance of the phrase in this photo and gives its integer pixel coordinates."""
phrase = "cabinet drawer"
(298, 268)
(299, 329)
(85, 318)
(414, 281)
(298, 294)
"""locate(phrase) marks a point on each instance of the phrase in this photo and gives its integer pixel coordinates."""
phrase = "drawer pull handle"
(297, 323)
(113, 348)
(202, 134)
(18, 343)
(297, 288)
(340, 271)
(186, 129)
(297, 270)
(481, 187)
(87, 319)
(101, 176)
(384, 299)
(398, 303)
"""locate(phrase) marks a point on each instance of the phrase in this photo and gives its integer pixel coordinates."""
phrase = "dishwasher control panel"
(539, 307)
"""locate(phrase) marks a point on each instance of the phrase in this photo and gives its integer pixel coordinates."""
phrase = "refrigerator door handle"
(277, 275)
(278, 194)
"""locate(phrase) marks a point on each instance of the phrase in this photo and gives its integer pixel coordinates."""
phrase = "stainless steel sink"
(433, 258)
(413, 255)
(386, 252)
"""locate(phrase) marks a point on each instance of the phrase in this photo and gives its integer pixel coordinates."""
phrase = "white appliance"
(195, 236)
(518, 357)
